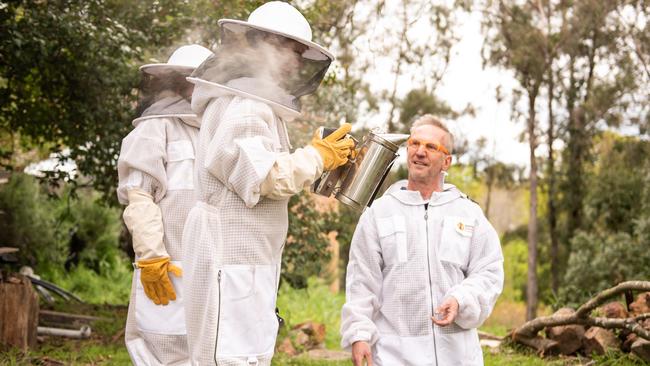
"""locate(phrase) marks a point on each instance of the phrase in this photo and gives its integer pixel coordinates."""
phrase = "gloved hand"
(155, 279)
(333, 151)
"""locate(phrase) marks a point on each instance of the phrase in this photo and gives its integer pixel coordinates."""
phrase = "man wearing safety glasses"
(425, 266)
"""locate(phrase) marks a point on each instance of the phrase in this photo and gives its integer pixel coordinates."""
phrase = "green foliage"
(419, 102)
(613, 201)
(69, 73)
(614, 244)
(95, 229)
(69, 240)
(306, 251)
(601, 260)
(28, 222)
(465, 179)
(111, 286)
(344, 222)
(515, 255)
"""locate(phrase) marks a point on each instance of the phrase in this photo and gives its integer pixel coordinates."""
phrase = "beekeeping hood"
(270, 58)
(164, 90)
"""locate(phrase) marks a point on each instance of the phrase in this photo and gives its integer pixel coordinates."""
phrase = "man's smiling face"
(425, 166)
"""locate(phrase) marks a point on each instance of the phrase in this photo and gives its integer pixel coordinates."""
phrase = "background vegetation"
(573, 221)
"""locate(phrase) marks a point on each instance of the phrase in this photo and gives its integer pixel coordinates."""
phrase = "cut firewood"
(544, 346)
(641, 305)
(598, 340)
(641, 348)
(527, 333)
(614, 310)
(569, 337)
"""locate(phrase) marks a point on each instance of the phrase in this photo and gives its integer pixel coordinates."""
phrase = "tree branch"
(527, 333)
(593, 303)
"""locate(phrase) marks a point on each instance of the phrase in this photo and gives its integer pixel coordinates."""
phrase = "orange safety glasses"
(430, 146)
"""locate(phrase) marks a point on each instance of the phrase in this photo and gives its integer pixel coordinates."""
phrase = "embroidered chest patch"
(464, 229)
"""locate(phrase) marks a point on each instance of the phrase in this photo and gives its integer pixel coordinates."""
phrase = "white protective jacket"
(408, 255)
(234, 236)
(157, 157)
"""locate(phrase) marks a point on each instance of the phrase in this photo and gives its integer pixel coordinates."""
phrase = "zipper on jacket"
(216, 338)
(433, 327)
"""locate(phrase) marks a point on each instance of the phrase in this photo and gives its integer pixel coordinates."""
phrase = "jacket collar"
(399, 191)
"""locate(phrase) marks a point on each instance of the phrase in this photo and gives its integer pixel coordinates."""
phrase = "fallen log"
(527, 333)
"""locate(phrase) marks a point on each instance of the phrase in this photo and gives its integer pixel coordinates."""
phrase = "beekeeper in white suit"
(156, 169)
(425, 266)
(234, 236)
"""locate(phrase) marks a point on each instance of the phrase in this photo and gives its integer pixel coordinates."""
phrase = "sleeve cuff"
(458, 294)
(317, 158)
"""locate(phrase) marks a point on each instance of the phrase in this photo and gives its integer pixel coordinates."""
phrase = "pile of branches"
(596, 326)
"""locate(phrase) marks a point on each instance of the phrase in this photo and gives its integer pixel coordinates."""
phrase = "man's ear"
(446, 163)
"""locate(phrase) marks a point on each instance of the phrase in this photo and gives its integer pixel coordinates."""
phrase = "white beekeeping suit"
(234, 236)
(155, 168)
(407, 256)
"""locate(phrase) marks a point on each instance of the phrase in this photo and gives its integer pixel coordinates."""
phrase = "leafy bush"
(515, 255)
(613, 247)
(306, 251)
(601, 260)
(28, 222)
(69, 240)
(112, 286)
(94, 230)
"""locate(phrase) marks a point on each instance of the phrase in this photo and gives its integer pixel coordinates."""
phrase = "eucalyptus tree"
(516, 42)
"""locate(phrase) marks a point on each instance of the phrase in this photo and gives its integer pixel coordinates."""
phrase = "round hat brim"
(307, 43)
(289, 112)
(157, 69)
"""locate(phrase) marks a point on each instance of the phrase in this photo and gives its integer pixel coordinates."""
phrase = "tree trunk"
(552, 214)
(531, 291)
(489, 197)
(18, 312)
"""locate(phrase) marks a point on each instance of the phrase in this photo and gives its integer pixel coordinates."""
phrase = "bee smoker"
(358, 181)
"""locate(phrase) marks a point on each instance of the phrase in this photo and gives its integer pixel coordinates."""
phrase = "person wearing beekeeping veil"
(248, 95)
(155, 170)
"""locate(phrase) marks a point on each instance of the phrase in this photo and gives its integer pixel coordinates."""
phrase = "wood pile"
(596, 326)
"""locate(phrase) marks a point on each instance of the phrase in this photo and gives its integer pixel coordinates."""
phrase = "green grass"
(283, 360)
(315, 303)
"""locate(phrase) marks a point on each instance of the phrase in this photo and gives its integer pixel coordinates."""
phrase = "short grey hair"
(431, 120)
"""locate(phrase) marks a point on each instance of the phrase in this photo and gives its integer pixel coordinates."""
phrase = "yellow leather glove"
(333, 151)
(155, 279)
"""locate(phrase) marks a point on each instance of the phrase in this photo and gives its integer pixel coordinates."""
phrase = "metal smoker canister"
(356, 184)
